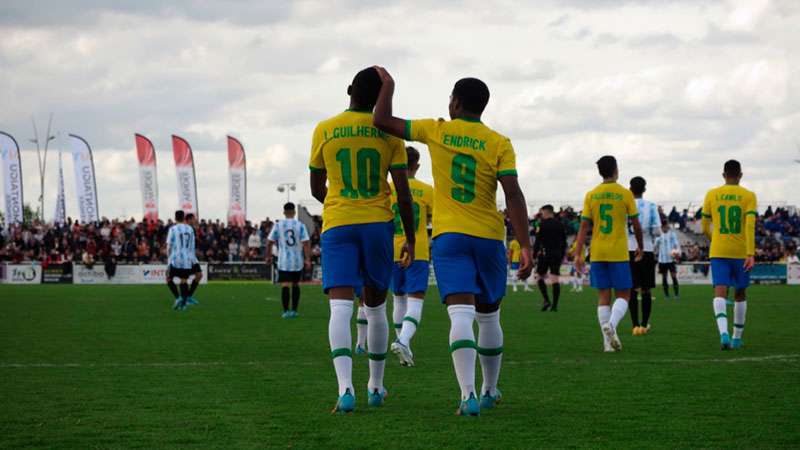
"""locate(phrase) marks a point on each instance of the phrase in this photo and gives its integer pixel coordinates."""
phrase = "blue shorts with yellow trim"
(729, 272)
(465, 264)
(611, 275)
(411, 279)
(358, 255)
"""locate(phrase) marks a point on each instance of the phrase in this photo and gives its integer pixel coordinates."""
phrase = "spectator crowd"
(129, 241)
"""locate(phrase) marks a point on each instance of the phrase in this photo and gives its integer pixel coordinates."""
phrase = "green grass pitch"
(114, 367)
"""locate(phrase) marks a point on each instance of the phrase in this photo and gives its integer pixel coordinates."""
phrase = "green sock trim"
(412, 320)
(490, 351)
(464, 343)
(361, 321)
(376, 356)
(398, 325)
(341, 352)
(721, 315)
(739, 326)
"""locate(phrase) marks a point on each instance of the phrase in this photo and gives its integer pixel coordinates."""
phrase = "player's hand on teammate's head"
(749, 262)
(383, 74)
(525, 263)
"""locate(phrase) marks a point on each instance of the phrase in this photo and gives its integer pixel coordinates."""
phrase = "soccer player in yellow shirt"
(607, 209)
(468, 160)
(353, 158)
(731, 210)
(514, 250)
(410, 283)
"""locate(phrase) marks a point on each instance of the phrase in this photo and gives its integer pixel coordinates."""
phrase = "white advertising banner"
(237, 183)
(148, 179)
(184, 169)
(23, 274)
(125, 274)
(60, 216)
(793, 274)
(12, 176)
(85, 183)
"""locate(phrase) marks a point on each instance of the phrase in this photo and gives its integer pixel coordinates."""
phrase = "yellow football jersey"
(467, 157)
(422, 195)
(608, 207)
(732, 210)
(515, 250)
(357, 157)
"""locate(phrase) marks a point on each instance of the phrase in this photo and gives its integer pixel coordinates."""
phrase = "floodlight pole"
(288, 187)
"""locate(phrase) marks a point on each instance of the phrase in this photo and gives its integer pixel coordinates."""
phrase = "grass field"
(114, 367)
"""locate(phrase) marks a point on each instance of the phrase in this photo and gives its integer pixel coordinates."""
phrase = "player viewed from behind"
(182, 258)
(294, 255)
(731, 210)
(191, 220)
(354, 158)
(468, 159)
(607, 209)
(643, 272)
(513, 253)
(548, 251)
(668, 250)
(410, 283)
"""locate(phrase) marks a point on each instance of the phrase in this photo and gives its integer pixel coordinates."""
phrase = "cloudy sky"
(673, 89)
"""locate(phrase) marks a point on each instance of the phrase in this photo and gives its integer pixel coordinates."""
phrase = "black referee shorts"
(548, 263)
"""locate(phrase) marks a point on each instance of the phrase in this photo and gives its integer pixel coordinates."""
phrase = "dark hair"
(548, 207)
(413, 156)
(637, 185)
(365, 88)
(289, 206)
(472, 93)
(732, 168)
(606, 166)
(179, 215)
(190, 216)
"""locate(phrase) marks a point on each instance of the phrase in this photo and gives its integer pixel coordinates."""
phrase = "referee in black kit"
(548, 251)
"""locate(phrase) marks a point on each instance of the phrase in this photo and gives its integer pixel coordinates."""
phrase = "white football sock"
(603, 316)
(341, 343)
(618, 311)
(514, 283)
(739, 313)
(463, 346)
(721, 314)
(399, 306)
(361, 327)
(377, 341)
(490, 350)
(411, 320)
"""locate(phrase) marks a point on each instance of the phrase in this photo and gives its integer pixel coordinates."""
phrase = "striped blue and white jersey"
(665, 244)
(180, 243)
(651, 225)
(290, 235)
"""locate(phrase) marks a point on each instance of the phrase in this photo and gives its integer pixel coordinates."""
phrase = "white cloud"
(673, 88)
